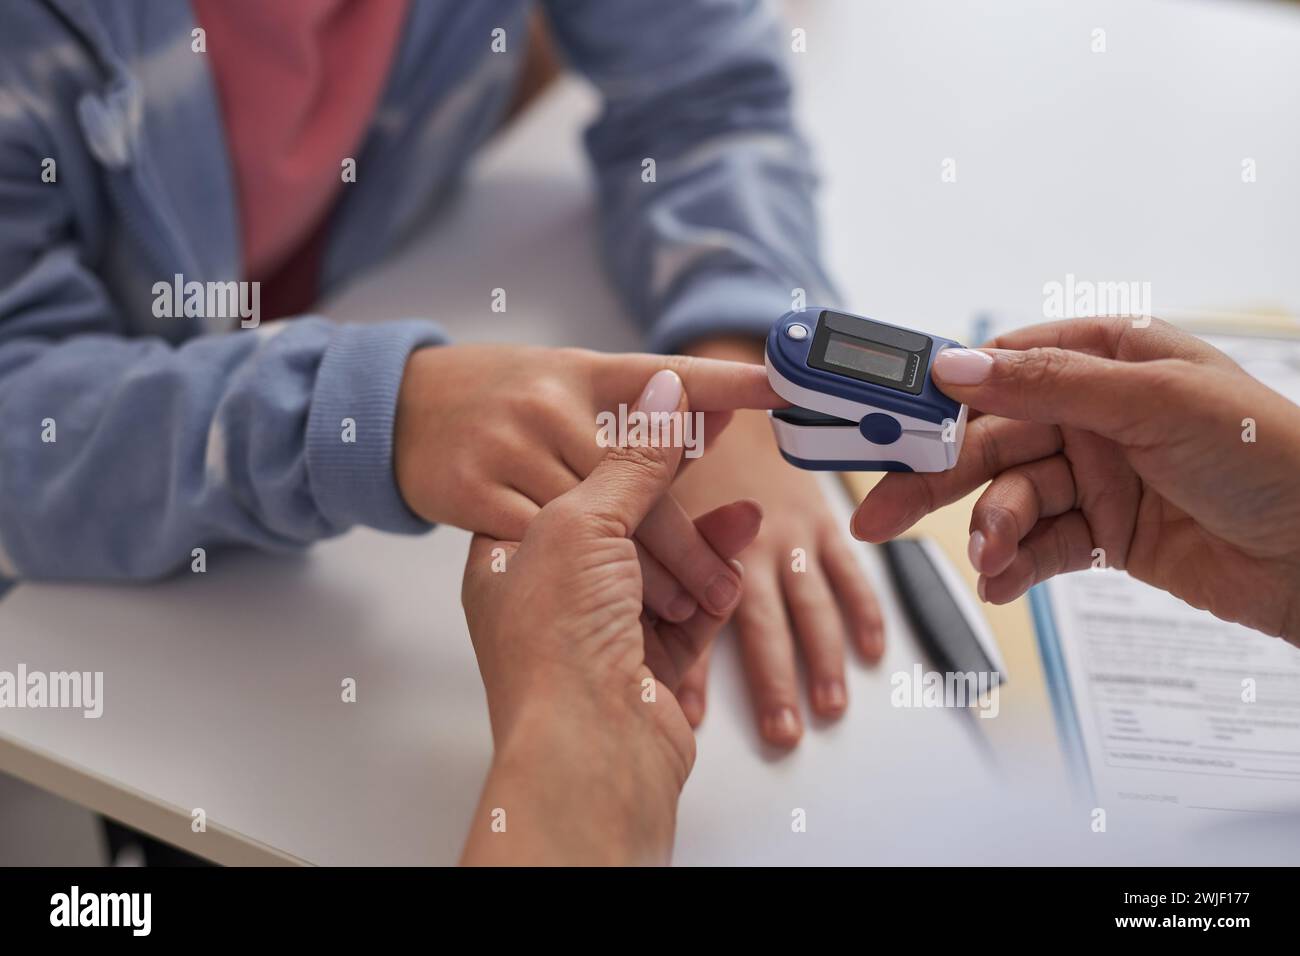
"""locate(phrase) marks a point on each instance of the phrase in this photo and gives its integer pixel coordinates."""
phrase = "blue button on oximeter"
(862, 395)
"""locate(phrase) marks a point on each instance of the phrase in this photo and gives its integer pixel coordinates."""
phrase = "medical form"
(1170, 705)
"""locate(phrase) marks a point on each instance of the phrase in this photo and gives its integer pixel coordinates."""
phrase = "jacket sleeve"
(717, 235)
(120, 455)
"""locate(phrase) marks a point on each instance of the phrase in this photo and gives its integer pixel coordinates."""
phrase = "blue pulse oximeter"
(862, 395)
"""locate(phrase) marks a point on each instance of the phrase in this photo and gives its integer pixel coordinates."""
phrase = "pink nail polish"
(662, 393)
(961, 367)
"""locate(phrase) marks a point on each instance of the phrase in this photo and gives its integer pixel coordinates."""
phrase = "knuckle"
(685, 366)
(1118, 336)
(1166, 376)
(593, 519)
(803, 605)
(1037, 371)
(464, 481)
(775, 691)
(1114, 326)
(989, 451)
(547, 397)
(681, 364)
(1121, 337)
(606, 524)
(560, 512)
(1046, 366)
(499, 443)
(1171, 390)
(1156, 324)
(636, 462)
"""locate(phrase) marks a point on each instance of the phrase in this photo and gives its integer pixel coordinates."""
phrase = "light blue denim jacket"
(176, 433)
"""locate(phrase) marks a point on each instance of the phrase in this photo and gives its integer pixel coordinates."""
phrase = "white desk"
(223, 690)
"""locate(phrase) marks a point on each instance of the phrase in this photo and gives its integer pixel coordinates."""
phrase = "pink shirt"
(298, 81)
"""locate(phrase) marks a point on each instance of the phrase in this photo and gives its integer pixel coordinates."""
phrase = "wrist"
(414, 421)
(585, 721)
(581, 779)
(350, 422)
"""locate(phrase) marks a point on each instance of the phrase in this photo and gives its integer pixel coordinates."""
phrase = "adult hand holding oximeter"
(862, 395)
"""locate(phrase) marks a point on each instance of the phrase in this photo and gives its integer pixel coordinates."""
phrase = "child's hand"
(1142, 448)
(592, 749)
(804, 588)
(486, 435)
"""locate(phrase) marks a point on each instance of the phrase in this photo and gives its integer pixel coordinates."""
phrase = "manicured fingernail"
(662, 393)
(831, 697)
(722, 593)
(781, 727)
(681, 607)
(981, 588)
(962, 366)
(692, 706)
(975, 549)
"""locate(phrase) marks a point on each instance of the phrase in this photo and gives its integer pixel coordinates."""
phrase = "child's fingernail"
(662, 393)
(722, 593)
(681, 607)
(962, 366)
(975, 549)
(831, 697)
(781, 727)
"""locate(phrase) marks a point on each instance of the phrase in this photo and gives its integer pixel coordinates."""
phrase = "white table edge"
(134, 808)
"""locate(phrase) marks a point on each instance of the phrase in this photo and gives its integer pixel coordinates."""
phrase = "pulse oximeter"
(861, 394)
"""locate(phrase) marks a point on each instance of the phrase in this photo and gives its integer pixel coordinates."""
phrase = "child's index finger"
(714, 385)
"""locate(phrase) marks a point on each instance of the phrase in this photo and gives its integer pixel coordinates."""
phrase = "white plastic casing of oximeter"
(880, 428)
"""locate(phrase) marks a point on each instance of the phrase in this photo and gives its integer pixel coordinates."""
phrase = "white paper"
(1174, 706)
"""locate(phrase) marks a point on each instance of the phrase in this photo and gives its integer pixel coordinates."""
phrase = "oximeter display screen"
(865, 357)
(855, 347)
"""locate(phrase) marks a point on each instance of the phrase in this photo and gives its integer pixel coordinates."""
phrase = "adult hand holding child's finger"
(579, 677)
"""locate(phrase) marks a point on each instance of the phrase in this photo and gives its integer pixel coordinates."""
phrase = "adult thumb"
(637, 471)
(1058, 387)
